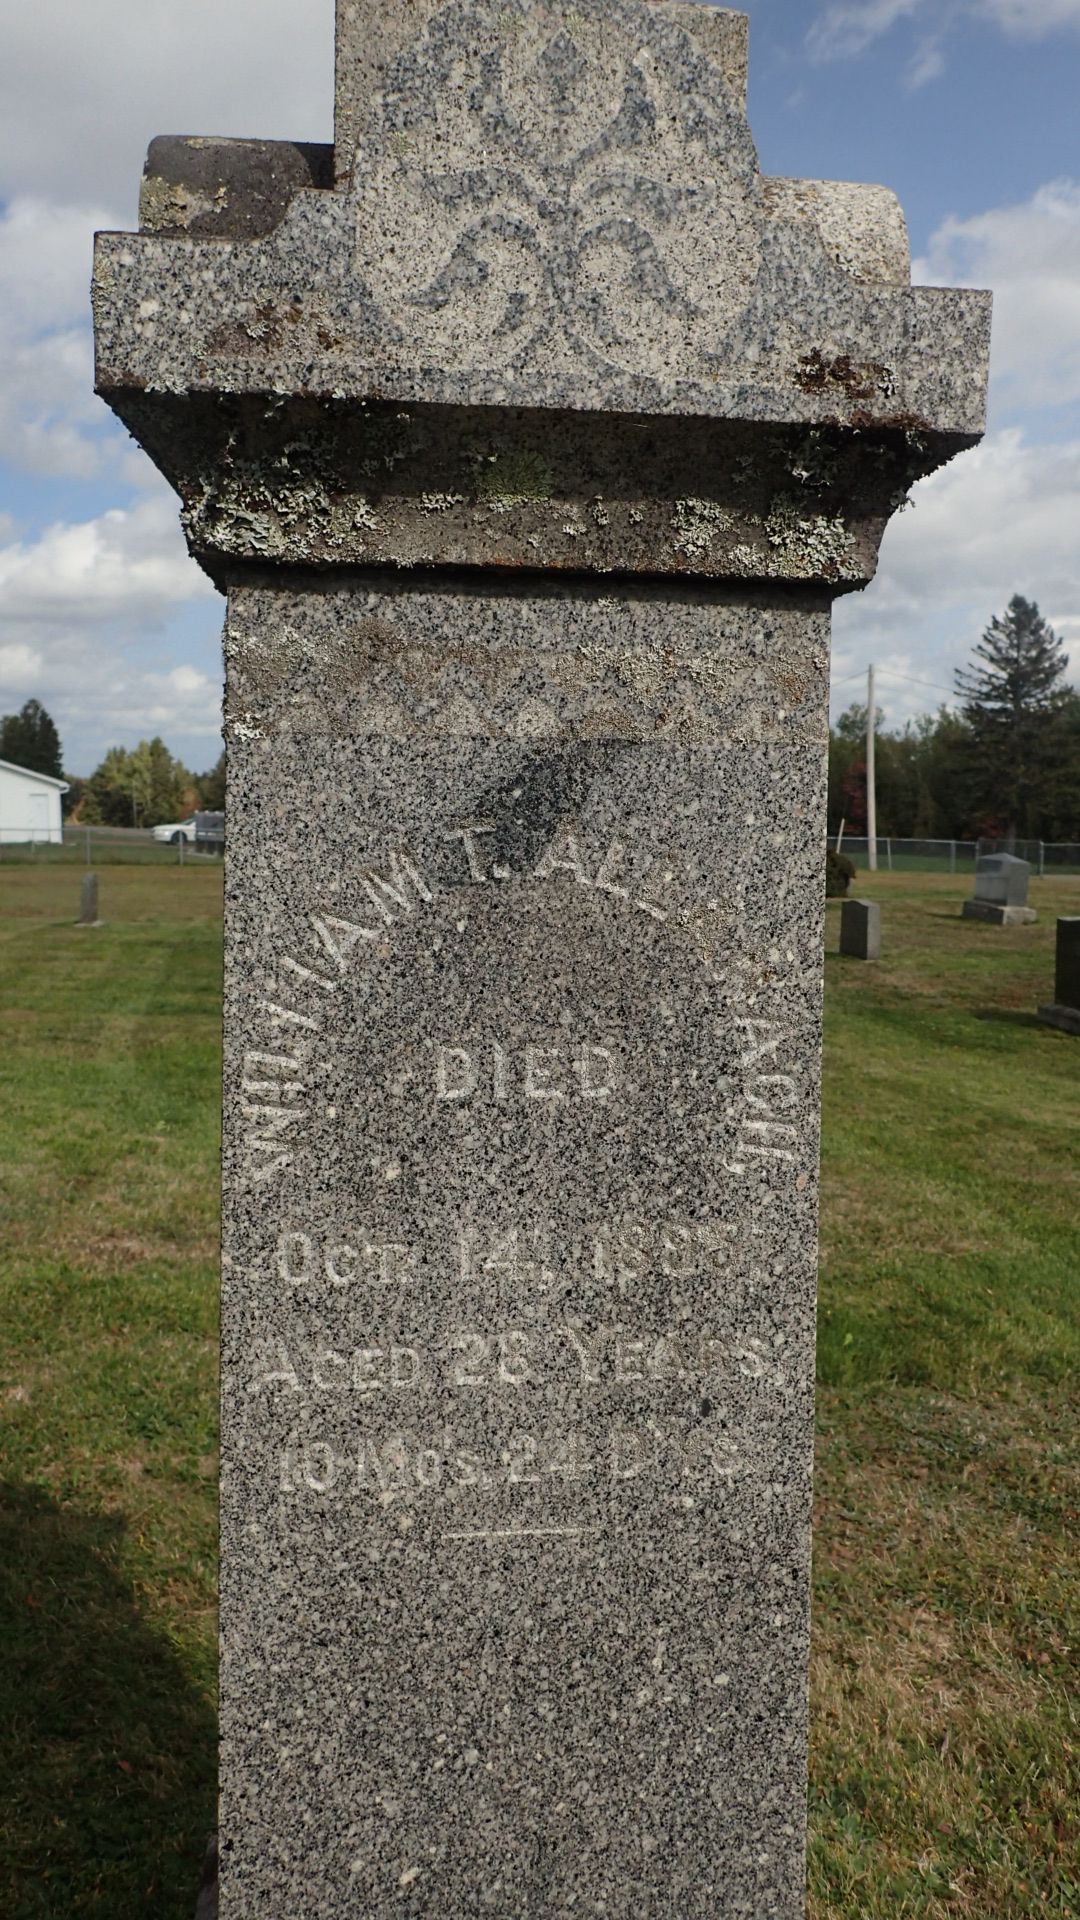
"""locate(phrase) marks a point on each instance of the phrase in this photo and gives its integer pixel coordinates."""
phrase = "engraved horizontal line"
(522, 1533)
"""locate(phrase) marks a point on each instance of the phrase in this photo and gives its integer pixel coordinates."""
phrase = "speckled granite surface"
(532, 433)
(524, 935)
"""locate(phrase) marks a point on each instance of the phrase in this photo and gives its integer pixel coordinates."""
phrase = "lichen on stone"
(164, 205)
(697, 523)
(440, 502)
(810, 545)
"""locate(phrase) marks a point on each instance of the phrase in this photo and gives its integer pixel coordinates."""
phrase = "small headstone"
(531, 454)
(860, 929)
(88, 902)
(1065, 1012)
(1001, 891)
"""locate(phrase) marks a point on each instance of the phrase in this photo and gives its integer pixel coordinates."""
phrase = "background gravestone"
(860, 929)
(1001, 891)
(532, 434)
(1065, 1012)
(88, 902)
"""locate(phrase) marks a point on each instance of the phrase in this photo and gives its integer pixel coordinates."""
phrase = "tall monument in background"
(531, 433)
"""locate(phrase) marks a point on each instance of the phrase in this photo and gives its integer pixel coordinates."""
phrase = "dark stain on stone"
(548, 788)
(817, 373)
(379, 640)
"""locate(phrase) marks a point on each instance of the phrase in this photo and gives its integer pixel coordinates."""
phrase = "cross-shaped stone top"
(551, 208)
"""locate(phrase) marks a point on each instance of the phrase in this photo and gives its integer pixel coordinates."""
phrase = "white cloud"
(927, 63)
(130, 564)
(86, 84)
(45, 262)
(50, 420)
(178, 703)
(1030, 19)
(999, 520)
(19, 664)
(1030, 255)
(848, 27)
(85, 617)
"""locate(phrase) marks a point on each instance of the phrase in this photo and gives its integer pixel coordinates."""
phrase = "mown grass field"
(946, 1746)
(109, 1088)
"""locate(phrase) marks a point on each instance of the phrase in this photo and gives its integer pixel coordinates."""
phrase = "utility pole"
(871, 782)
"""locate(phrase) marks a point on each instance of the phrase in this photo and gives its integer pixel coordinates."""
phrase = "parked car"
(203, 831)
(179, 830)
(210, 832)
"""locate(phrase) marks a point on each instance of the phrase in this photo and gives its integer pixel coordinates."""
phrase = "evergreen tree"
(1061, 820)
(29, 739)
(1010, 701)
(947, 808)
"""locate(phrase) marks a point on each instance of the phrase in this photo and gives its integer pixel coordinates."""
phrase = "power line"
(894, 673)
(934, 685)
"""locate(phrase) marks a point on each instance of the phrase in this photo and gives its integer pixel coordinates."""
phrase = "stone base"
(1067, 1018)
(997, 915)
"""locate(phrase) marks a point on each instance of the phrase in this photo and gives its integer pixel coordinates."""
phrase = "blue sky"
(966, 108)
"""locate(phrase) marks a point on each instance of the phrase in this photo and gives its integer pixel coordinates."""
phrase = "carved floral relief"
(580, 181)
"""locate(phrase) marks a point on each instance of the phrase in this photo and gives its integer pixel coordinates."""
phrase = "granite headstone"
(532, 434)
(1001, 891)
(860, 929)
(1065, 1012)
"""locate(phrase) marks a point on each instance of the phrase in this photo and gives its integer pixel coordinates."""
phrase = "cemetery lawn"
(946, 1749)
(945, 1764)
(109, 1131)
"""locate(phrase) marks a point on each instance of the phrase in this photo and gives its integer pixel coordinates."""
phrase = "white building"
(29, 805)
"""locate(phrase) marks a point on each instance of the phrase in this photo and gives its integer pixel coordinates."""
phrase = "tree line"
(146, 786)
(1004, 764)
(143, 786)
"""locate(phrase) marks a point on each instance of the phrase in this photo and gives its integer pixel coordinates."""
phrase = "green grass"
(946, 1742)
(109, 1081)
(107, 850)
(945, 1739)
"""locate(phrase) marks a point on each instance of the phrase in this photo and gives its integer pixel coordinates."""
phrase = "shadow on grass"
(1008, 1019)
(107, 1774)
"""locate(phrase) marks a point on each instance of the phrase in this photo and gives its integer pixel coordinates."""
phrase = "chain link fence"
(958, 856)
(75, 845)
(1046, 856)
(912, 856)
